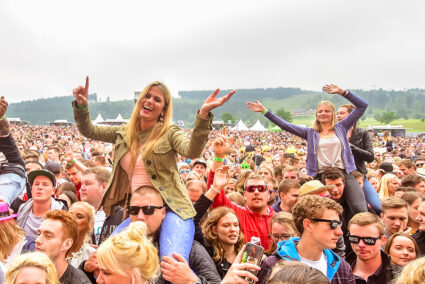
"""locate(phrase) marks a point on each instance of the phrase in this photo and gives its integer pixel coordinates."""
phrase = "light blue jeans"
(176, 235)
(371, 195)
(11, 186)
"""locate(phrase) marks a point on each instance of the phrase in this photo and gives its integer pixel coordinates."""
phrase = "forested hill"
(406, 104)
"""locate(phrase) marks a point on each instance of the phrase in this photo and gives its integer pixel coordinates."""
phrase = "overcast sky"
(47, 47)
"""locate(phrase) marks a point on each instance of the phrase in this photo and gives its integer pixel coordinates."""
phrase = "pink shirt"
(139, 177)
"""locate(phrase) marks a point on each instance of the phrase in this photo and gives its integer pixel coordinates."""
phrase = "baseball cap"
(32, 175)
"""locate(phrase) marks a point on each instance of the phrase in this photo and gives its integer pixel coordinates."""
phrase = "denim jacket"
(312, 136)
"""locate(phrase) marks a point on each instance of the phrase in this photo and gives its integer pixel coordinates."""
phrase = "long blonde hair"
(316, 123)
(33, 259)
(159, 130)
(130, 253)
(10, 233)
(383, 185)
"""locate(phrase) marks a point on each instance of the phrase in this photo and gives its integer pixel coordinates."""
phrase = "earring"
(161, 119)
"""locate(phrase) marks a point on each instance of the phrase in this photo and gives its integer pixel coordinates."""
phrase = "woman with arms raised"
(327, 142)
(144, 154)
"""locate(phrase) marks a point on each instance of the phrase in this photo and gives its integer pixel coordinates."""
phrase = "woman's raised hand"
(333, 89)
(81, 94)
(257, 106)
(212, 102)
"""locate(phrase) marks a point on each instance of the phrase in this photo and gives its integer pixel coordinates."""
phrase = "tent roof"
(258, 127)
(240, 126)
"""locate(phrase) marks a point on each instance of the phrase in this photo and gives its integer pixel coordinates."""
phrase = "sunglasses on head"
(252, 188)
(147, 210)
(370, 241)
(334, 223)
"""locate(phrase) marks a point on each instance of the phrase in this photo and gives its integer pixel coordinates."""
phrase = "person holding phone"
(144, 155)
(327, 141)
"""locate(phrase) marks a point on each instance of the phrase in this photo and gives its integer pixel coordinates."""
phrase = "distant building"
(394, 130)
(61, 122)
(303, 112)
(17, 121)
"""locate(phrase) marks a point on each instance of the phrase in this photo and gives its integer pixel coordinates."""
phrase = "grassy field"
(412, 125)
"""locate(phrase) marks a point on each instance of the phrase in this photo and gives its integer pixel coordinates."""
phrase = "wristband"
(265, 111)
(345, 93)
(215, 189)
(218, 159)
(4, 116)
(81, 106)
(72, 161)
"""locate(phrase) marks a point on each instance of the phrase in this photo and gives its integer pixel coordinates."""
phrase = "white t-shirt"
(321, 264)
(99, 219)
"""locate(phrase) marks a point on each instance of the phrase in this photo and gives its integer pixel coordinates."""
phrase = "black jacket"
(419, 237)
(385, 273)
(362, 148)
(110, 224)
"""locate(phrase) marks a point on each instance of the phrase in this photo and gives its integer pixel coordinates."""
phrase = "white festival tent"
(240, 126)
(98, 119)
(258, 127)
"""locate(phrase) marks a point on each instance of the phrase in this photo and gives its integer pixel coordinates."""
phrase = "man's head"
(394, 215)
(195, 188)
(359, 177)
(289, 192)
(407, 167)
(200, 167)
(415, 181)
(146, 205)
(366, 235)
(290, 172)
(33, 166)
(53, 153)
(421, 216)
(334, 176)
(74, 175)
(317, 219)
(43, 185)
(93, 185)
(57, 234)
(256, 193)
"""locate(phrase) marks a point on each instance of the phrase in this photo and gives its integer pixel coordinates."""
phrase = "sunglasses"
(334, 223)
(252, 188)
(370, 241)
(280, 237)
(147, 210)
(245, 166)
(184, 171)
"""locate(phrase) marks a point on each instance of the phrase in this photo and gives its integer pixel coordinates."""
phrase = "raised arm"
(285, 125)
(83, 120)
(360, 105)
(193, 147)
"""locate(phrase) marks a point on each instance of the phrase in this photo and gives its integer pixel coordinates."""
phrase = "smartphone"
(253, 254)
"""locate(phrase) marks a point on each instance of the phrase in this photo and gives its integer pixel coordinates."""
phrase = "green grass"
(411, 125)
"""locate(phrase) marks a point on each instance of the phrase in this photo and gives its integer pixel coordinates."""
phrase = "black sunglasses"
(252, 188)
(370, 241)
(147, 210)
(334, 223)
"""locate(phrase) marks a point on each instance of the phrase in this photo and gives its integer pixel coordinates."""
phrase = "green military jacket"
(160, 164)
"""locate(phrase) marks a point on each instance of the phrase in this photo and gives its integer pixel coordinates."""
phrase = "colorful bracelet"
(218, 159)
(4, 116)
(81, 106)
(72, 161)
(265, 111)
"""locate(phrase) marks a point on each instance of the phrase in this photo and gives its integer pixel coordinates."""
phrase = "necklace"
(327, 134)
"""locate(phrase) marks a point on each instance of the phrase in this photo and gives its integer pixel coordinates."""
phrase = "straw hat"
(314, 187)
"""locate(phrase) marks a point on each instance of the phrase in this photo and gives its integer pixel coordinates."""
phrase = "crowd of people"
(148, 202)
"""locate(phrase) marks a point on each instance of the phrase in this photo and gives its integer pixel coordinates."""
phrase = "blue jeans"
(371, 195)
(176, 235)
(11, 186)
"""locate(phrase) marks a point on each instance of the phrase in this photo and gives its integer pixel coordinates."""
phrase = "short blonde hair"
(33, 259)
(130, 253)
(365, 219)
